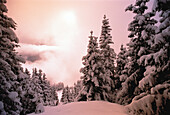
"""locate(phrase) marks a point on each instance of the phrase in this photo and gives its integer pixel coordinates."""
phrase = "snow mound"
(85, 108)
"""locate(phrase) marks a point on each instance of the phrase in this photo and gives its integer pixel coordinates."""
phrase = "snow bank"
(85, 108)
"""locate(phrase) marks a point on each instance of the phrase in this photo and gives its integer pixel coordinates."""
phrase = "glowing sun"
(69, 17)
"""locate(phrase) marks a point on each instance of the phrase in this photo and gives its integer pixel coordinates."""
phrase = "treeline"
(69, 94)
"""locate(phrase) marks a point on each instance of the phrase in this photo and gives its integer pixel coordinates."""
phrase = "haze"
(54, 33)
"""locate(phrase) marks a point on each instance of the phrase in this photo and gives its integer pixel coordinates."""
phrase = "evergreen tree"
(59, 86)
(54, 94)
(108, 57)
(11, 72)
(37, 89)
(27, 72)
(92, 79)
(156, 82)
(18, 94)
(29, 97)
(77, 87)
(49, 94)
(121, 68)
(158, 60)
(66, 96)
(44, 90)
(142, 33)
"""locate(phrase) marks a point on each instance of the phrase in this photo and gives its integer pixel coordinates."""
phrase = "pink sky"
(54, 33)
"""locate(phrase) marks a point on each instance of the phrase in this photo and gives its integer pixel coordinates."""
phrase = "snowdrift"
(85, 108)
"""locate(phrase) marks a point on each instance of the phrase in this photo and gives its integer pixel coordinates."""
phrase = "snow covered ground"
(85, 108)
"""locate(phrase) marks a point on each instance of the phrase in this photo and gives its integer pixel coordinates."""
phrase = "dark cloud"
(33, 53)
(32, 57)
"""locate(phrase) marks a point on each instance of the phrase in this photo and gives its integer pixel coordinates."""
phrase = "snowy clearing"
(85, 108)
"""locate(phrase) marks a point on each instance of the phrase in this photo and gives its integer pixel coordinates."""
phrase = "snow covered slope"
(85, 108)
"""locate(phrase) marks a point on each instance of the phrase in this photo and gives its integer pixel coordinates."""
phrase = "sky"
(54, 34)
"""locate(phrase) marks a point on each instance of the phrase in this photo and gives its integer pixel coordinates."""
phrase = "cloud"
(58, 64)
(32, 58)
(35, 52)
(46, 40)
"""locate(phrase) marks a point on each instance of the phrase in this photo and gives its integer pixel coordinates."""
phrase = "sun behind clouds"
(64, 29)
(69, 17)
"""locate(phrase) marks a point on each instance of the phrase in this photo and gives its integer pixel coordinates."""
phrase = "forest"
(138, 77)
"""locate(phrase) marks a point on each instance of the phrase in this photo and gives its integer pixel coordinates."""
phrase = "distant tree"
(27, 72)
(67, 96)
(49, 94)
(36, 86)
(54, 94)
(44, 90)
(59, 86)
(77, 88)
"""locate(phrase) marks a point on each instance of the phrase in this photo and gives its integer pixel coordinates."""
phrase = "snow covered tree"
(15, 95)
(121, 68)
(67, 96)
(54, 94)
(44, 90)
(122, 61)
(94, 84)
(29, 97)
(156, 81)
(158, 61)
(37, 90)
(27, 72)
(77, 87)
(142, 33)
(108, 57)
(11, 73)
(59, 86)
(49, 94)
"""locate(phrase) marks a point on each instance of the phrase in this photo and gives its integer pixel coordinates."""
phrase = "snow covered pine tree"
(108, 57)
(14, 82)
(29, 98)
(76, 89)
(121, 68)
(155, 99)
(49, 94)
(142, 32)
(67, 96)
(92, 78)
(43, 88)
(9, 65)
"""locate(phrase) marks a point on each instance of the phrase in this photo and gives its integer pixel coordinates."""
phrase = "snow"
(143, 104)
(1, 105)
(39, 108)
(13, 95)
(85, 108)
(148, 79)
(59, 93)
